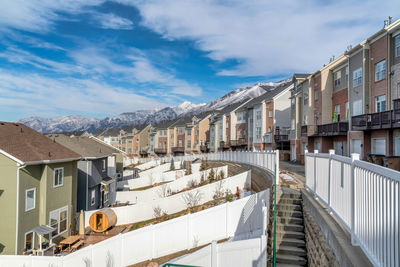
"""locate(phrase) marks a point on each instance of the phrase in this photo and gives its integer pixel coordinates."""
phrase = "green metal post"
(274, 246)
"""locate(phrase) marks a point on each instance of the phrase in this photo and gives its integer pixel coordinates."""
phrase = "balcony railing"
(281, 138)
(160, 150)
(267, 138)
(380, 120)
(239, 142)
(178, 149)
(333, 129)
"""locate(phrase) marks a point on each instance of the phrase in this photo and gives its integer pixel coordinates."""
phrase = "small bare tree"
(192, 198)
(192, 183)
(157, 212)
(219, 190)
(164, 190)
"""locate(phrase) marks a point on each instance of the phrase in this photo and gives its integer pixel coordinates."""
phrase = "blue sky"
(100, 58)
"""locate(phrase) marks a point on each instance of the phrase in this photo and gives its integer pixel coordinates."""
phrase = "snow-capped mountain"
(81, 123)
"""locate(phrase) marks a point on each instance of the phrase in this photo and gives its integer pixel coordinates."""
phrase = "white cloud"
(112, 21)
(36, 94)
(267, 37)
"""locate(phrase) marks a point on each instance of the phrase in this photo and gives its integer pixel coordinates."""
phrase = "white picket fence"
(145, 210)
(244, 218)
(159, 191)
(364, 197)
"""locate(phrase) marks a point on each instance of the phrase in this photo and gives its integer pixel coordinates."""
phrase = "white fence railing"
(364, 197)
(244, 218)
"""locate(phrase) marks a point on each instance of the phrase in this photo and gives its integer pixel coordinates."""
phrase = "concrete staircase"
(290, 238)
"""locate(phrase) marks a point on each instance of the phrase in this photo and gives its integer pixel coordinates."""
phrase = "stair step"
(288, 207)
(285, 200)
(289, 227)
(289, 213)
(290, 220)
(287, 265)
(291, 259)
(289, 234)
(293, 242)
(289, 250)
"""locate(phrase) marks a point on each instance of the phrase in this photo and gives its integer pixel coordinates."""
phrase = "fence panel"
(322, 176)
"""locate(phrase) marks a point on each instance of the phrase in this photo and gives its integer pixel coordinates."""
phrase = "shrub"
(158, 212)
(221, 175)
(192, 183)
(238, 192)
(188, 168)
(192, 199)
(228, 195)
(211, 176)
(203, 165)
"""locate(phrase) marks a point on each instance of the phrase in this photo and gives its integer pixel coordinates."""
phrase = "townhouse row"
(255, 124)
(46, 180)
(352, 104)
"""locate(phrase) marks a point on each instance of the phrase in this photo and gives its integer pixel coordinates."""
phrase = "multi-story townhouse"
(177, 136)
(222, 125)
(38, 188)
(161, 138)
(329, 108)
(375, 131)
(299, 94)
(269, 119)
(96, 171)
(143, 141)
(110, 136)
(198, 133)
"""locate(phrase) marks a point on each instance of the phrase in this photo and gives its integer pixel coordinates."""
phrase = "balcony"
(281, 138)
(178, 149)
(304, 130)
(203, 148)
(380, 120)
(160, 150)
(267, 138)
(239, 142)
(333, 129)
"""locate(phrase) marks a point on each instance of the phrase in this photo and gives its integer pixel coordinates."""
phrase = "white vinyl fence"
(364, 197)
(243, 217)
(161, 190)
(175, 203)
(248, 252)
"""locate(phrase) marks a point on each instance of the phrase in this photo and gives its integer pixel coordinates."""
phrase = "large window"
(338, 76)
(258, 132)
(397, 46)
(336, 115)
(357, 77)
(30, 198)
(189, 144)
(347, 73)
(380, 70)
(305, 99)
(270, 113)
(58, 177)
(258, 115)
(357, 107)
(29, 239)
(316, 95)
(59, 220)
(380, 103)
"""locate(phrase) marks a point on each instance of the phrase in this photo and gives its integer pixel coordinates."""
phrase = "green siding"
(8, 193)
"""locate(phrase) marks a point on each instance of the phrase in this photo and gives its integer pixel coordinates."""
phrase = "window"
(293, 101)
(347, 111)
(347, 73)
(397, 46)
(270, 113)
(58, 220)
(258, 132)
(58, 177)
(180, 130)
(398, 90)
(380, 103)
(293, 124)
(357, 107)
(29, 239)
(189, 144)
(104, 165)
(316, 95)
(305, 99)
(92, 197)
(258, 115)
(30, 199)
(380, 70)
(106, 190)
(336, 114)
(379, 146)
(172, 136)
(197, 132)
(189, 132)
(337, 77)
(357, 77)
(180, 143)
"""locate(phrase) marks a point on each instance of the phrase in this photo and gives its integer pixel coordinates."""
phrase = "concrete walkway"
(294, 168)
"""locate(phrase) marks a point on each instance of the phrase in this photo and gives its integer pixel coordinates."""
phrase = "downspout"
(17, 210)
(87, 185)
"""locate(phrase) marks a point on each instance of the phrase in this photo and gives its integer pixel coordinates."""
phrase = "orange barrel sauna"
(102, 220)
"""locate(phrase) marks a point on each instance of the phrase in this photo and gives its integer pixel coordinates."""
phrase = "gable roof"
(107, 132)
(26, 146)
(268, 96)
(86, 147)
